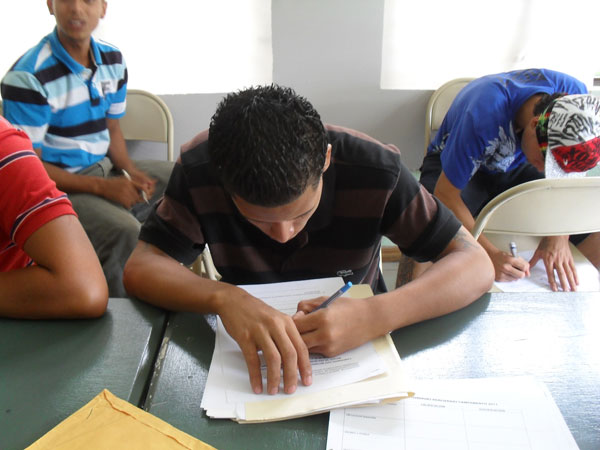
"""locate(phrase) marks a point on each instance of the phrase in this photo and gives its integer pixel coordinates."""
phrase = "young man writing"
(278, 197)
(487, 143)
(68, 93)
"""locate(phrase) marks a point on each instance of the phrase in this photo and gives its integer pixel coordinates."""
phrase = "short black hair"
(544, 101)
(268, 145)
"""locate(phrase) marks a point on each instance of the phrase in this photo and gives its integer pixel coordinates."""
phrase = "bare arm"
(67, 281)
(553, 250)
(153, 276)
(120, 190)
(506, 267)
(461, 275)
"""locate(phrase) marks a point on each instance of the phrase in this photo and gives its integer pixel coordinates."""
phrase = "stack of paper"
(516, 413)
(369, 374)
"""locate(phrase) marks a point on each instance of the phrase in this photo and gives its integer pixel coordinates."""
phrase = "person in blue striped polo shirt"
(68, 93)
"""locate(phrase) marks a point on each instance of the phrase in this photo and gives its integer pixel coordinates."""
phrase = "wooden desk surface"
(553, 337)
(49, 369)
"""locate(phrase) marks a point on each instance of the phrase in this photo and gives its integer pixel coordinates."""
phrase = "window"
(176, 47)
(429, 42)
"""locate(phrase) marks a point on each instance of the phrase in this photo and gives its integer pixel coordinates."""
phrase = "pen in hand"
(335, 295)
(513, 249)
(126, 175)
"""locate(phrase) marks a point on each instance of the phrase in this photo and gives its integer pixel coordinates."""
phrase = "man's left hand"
(342, 326)
(141, 178)
(556, 254)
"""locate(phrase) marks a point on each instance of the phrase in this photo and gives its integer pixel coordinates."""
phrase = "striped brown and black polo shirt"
(367, 193)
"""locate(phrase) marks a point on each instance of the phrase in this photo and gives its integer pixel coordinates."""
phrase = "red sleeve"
(28, 197)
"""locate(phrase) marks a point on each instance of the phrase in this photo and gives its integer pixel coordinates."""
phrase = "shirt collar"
(63, 56)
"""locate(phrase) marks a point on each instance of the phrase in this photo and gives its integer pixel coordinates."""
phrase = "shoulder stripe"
(23, 95)
(52, 73)
(21, 217)
(111, 57)
(15, 157)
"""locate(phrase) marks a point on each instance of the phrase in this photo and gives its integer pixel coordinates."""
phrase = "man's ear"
(327, 158)
(50, 8)
(534, 121)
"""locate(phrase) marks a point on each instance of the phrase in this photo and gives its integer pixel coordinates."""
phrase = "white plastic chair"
(438, 106)
(546, 207)
(148, 119)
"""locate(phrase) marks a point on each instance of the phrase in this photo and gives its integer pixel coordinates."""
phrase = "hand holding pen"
(521, 266)
(142, 191)
(335, 295)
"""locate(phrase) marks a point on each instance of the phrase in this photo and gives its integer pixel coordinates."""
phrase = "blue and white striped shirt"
(62, 105)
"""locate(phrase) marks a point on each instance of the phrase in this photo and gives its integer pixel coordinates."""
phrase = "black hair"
(544, 101)
(268, 145)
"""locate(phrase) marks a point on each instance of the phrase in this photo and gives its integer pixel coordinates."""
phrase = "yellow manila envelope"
(109, 422)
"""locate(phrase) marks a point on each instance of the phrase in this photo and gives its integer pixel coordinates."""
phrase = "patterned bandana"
(541, 129)
(568, 131)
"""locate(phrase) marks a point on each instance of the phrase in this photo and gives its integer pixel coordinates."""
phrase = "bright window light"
(175, 47)
(429, 42)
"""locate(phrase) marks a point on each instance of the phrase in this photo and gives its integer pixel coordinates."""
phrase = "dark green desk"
(554, 337)
(50, 369)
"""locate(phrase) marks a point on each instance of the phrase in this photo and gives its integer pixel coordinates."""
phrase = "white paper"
(349, 367)
(515, 413)
(228, 387)
(589, 278)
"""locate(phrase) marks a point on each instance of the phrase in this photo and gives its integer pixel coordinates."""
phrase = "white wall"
(329, 50)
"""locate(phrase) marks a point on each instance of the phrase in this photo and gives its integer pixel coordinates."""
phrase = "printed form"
(516, 413)
(373, 369)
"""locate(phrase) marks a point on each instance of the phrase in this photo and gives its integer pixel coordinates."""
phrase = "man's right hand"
(256, 326)
(508, 267)
(122, 191)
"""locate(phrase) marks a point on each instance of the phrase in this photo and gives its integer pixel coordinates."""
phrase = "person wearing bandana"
(506, 129)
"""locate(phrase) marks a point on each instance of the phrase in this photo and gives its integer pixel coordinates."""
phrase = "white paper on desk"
(589, 278)
(516, 413)
(228, 374)
(352, 366)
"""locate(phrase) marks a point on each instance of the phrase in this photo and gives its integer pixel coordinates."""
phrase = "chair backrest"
(438, 106)
(148, 119)
(546, 207)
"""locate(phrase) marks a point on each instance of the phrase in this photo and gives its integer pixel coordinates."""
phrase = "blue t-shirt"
(62, 105)
(478, 134)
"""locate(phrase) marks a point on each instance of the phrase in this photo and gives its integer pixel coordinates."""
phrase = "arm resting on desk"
(155, 277)
(66, 282)
(461, 274)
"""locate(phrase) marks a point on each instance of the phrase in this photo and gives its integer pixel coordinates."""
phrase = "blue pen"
(337, 294)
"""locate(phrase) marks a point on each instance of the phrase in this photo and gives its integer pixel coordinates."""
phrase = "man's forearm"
(73, 183)
(36, 292)
(455, 203)
(451, 283)
(158, 279)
